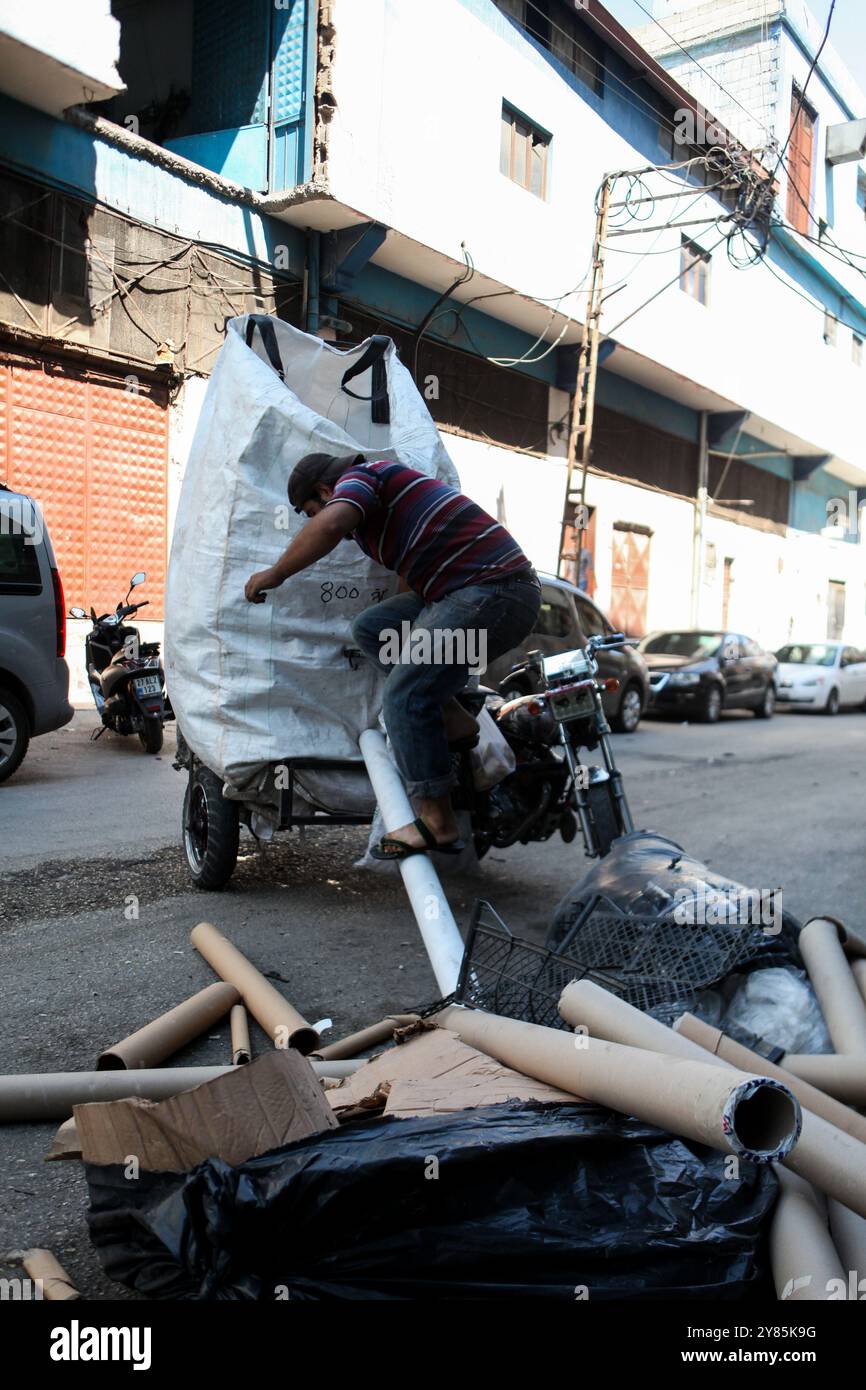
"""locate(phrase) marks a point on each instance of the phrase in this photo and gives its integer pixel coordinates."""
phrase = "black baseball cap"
(313, 469)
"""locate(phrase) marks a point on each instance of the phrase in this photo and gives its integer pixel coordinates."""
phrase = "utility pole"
(583, 405)
(700, 521)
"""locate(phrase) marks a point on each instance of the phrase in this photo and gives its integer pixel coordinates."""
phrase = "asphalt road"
(95, 908)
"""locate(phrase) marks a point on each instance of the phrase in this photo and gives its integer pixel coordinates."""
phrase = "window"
(523, 153)
(592, 624)
(695, 271)
(831, 324)
(557, 29)
(799, 162)
(857, 350)
(19, 561)
(555, 618)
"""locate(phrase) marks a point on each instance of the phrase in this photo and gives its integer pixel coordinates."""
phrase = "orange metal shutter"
(94, 453)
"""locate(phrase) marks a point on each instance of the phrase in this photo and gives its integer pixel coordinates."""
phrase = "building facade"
(432, 171)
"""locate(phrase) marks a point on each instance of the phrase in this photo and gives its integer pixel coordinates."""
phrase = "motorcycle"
(125, 674)
(550, 789)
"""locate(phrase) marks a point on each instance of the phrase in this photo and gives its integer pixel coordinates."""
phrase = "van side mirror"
(137, 579)
(77, 613)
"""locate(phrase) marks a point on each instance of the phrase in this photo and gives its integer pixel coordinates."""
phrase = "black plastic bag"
(508, 1201)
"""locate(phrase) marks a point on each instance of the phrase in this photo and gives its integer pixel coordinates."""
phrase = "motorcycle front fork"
(611, 775)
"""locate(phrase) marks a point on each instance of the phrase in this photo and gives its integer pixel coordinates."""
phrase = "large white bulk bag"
(254, 684)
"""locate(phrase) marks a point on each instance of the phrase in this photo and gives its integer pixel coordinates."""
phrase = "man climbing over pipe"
(459, 570)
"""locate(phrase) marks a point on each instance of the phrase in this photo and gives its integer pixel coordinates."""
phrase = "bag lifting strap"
(264, 324)
(374, 357)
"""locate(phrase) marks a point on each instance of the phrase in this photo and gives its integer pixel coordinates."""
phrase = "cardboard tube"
(56, 1283)
(439, 931)
(752, 1116)
(240, 1026)
(825, 1155)
(842, 1116)
(51, 1095)
(282, 1023)
(805, 1262)
(841, 1002)
(841, 1077)
(858, 970)
(354, 1043)
(848, 1230)
(171, 1031)
(829, 1157)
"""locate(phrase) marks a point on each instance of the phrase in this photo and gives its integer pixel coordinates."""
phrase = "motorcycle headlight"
(685, 678)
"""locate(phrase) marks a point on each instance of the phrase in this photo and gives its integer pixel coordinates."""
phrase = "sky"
(847, 33)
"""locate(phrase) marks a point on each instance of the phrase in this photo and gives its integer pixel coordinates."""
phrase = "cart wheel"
(211, 828)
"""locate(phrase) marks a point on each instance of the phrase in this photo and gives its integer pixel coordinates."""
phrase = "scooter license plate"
(147, 685)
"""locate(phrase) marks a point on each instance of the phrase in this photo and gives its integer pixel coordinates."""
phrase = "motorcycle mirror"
(77, 613)
(134, 582)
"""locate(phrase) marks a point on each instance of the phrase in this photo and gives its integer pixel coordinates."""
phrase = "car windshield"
(686, 644)
(810, 654)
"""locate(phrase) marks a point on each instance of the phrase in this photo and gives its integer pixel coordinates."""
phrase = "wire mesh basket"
(514, 978)
(659, 965)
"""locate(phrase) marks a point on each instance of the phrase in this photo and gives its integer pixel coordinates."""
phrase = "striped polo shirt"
(436, 539)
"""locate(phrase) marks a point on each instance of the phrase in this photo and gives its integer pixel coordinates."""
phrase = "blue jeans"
(439, 644)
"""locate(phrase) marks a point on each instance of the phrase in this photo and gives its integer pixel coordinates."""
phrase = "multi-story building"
(431, 171)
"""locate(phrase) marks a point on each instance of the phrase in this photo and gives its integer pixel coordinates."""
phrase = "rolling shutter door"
(94, 454)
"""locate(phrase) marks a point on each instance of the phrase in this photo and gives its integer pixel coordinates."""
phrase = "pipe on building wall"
(314, 252)
(700, 520)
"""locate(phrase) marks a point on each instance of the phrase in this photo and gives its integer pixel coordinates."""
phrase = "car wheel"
(627, 717)
(14, 733)
(210, 830)
(767, 706)
(832, 705)
(712, 706)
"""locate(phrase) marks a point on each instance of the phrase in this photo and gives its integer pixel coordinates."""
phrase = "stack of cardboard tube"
(133, 1066)
(818, 1232)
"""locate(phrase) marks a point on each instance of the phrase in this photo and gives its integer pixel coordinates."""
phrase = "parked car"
(567, 619)
(34, 677)
(822, 675)
(700, 673)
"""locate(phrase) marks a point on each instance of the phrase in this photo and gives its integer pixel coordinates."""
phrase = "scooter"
(125, 674)
(551, 789)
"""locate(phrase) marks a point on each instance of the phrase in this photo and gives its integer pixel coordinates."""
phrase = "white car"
(821, 675)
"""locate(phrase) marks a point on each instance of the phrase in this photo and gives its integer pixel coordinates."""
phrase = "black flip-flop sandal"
(403, 850)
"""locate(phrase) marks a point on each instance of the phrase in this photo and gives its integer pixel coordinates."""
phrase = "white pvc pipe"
(439, 931)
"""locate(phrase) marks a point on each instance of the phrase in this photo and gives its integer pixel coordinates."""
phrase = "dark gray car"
(568, 617)
(34, 677)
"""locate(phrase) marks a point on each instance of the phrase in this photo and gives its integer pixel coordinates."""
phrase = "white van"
(34, 677)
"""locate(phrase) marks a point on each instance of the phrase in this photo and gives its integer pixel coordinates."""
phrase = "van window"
(19, 561)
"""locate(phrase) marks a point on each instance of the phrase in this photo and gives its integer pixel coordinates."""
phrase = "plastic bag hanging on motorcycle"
(254, 684)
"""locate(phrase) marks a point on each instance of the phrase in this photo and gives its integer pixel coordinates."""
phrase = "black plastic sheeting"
(555, 1202)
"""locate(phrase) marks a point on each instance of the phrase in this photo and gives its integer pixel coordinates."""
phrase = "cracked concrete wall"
(325, 100)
